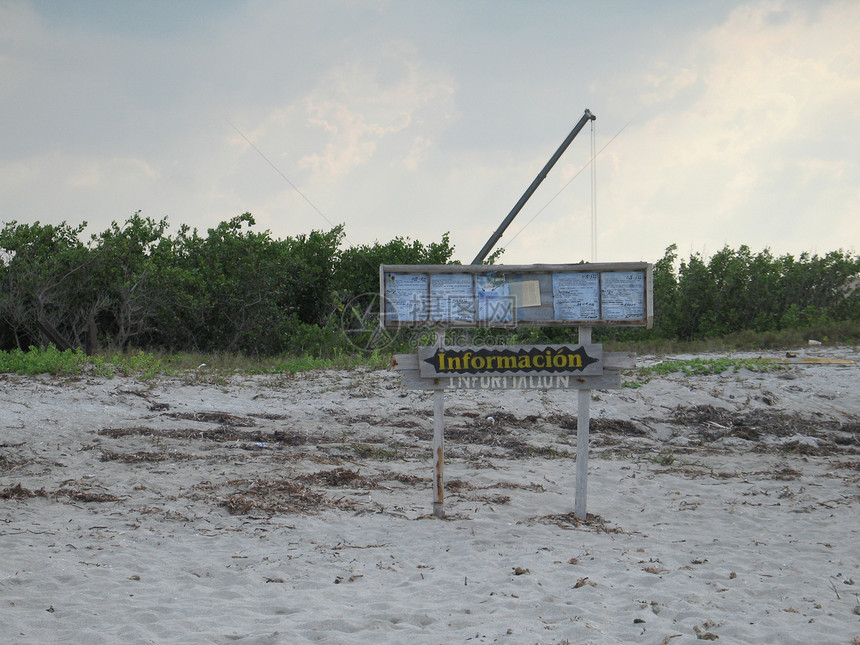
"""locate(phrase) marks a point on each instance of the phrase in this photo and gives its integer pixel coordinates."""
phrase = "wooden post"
(53, 334)
(438, 439)
(92, 336)
(583, 421)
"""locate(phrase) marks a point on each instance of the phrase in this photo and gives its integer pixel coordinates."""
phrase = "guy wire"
(285, 178)
(593, 196)
(561, 190)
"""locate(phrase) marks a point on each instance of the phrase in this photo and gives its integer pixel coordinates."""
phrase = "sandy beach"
(298, 509)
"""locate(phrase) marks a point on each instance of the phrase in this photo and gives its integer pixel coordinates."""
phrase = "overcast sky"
(718, 122)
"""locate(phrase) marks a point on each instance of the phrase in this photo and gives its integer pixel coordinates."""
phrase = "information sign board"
(545, 295)
(504, 360)
(542, 295)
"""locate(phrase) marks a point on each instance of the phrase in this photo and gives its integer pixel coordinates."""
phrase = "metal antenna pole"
(588, 116)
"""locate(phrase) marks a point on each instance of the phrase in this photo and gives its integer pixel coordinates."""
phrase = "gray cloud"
(421, 118)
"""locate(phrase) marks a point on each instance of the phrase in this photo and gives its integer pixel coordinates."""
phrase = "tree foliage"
(736, 290)
(232, 289)
(44, 276)
(237, 289)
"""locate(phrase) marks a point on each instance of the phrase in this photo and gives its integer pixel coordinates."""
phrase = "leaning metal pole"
(588, 116)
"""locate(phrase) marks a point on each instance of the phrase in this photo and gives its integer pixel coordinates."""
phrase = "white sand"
(737, 522)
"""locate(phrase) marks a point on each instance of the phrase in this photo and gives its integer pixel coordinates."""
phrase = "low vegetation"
(704, 366)
(246, 300)
(50, 360)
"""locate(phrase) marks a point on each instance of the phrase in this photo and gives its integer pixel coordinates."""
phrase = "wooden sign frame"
(536, 295)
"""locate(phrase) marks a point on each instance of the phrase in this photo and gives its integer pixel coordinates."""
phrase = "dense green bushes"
(235, 289)
(736, 291)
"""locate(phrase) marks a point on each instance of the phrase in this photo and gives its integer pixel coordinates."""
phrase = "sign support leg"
(438, 439)
(583, 421)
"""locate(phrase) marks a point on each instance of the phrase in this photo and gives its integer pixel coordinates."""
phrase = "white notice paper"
(622, 295)
(495, 303)
(406, 297)
(452, 298)
(576, 296)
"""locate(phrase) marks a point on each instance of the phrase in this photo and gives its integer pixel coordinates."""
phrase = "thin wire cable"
(360, 314)
(593, 195)
(545, 206)
(285, 178)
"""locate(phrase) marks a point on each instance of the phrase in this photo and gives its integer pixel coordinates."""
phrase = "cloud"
(358, 109)
(668, 86)
(84, 184)
(735, 160)
(400, 119)
(350, 142)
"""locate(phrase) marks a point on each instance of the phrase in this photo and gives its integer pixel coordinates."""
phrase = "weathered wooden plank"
(53, 334)
(611, 361)
(619, 361)
(609, 380)
(543, 360)
(512, 268)
(799, 360)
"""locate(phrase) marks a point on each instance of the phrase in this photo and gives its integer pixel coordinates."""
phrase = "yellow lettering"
(559, 360)
(454, 363)
(538, 358)
(507, 362)
(478, 362)
(524, 362)
(574, 360)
